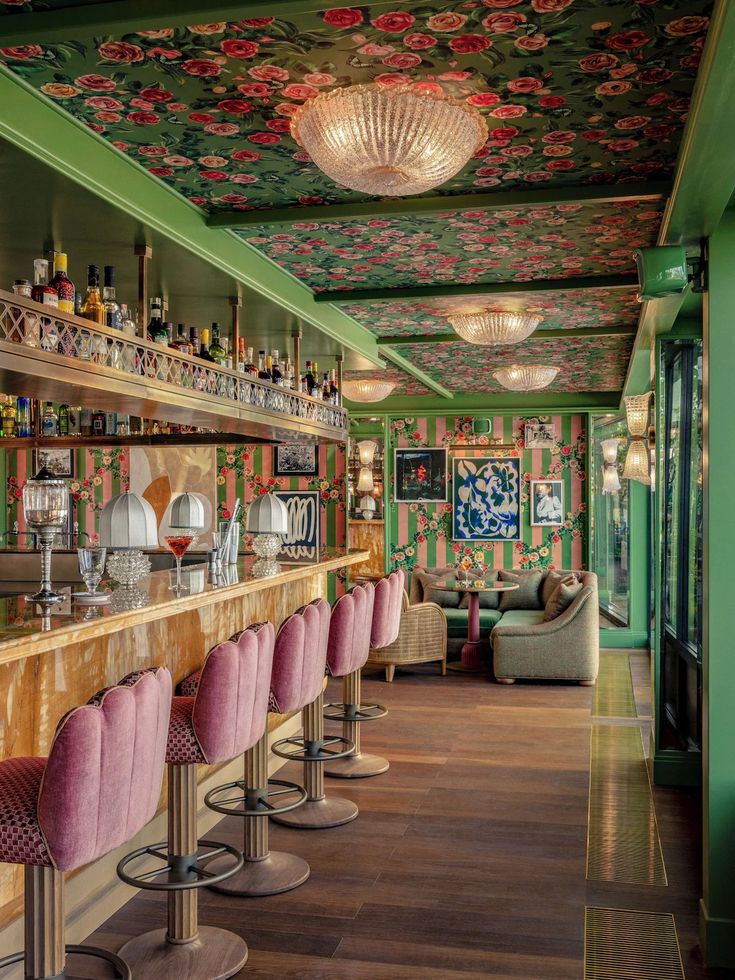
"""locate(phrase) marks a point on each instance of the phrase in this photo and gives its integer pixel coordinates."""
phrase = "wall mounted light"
(637, 463)
(365, 480)
(636, 414)
(610, 476)
(366, 450)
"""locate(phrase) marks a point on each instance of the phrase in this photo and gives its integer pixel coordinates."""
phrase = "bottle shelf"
(60, 357)
(157, 439)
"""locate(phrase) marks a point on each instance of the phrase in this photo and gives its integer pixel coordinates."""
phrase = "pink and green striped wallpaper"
(421, 534)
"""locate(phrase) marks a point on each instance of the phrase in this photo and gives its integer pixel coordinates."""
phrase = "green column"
(717, 907)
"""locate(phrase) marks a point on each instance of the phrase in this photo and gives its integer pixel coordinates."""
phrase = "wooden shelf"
(163, 439)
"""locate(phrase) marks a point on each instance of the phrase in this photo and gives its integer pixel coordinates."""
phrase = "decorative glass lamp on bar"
(267, 521)
(367, 389)
(492, 329)
(187, 510)
(525, 377)
(610, 476)
(637, 463)
(636, 413)
(46, 509)
(128, 524)
(388, 141)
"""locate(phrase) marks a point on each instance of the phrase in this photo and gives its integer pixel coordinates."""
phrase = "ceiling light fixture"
(491, 329)
(525, 377)
(386, 141)
(367, 389)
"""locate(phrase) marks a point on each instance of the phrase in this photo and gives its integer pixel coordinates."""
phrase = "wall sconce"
(610, 477)
(365, 480)
(637, 463)
(366, 449)
(636, 413)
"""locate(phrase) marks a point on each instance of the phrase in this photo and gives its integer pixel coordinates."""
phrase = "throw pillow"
(562, 597)
(447, 600)
(551, 581)
(526, 596)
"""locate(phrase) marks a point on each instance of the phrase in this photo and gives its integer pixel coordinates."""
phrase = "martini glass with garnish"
(178, 543)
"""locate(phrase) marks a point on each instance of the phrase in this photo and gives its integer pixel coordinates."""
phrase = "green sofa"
(523, 645)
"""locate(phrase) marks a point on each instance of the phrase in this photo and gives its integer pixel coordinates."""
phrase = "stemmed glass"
(178, 543)
(91, 567)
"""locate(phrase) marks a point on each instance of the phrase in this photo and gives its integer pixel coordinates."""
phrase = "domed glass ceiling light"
(525, 377)
(388, 141)
(493, 328)
(367, 389)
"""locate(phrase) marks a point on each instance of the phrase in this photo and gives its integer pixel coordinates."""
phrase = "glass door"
(610, 531)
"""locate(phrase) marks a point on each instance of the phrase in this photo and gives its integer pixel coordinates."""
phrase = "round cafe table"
(474, 648)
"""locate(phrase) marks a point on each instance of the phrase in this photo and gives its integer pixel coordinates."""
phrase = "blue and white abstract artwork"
(486, 498)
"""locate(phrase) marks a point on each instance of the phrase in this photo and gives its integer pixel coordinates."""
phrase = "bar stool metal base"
(121, 968)
(338, 711)
(212, 955)
(183, 872)
(312, 750)
(360, 765)
(253, 802)
(330, 811)
(273, 874)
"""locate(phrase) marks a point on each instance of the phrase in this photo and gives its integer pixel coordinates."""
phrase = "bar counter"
(48, 667)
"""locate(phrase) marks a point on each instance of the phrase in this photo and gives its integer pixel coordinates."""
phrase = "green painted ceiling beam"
(560, 334)
(439, 203)
(118, 17)
(342, 296)
(531, 403)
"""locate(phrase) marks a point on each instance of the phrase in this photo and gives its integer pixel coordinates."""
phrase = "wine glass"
(91, 568)
(178, 543)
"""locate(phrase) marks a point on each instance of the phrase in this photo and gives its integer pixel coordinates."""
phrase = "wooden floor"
(468, 857)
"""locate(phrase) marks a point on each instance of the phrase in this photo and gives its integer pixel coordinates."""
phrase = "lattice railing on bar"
(29, 324)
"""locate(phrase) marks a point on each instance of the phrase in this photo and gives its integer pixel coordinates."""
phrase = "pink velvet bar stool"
(226, 714)
(99, 787)
(380, 631)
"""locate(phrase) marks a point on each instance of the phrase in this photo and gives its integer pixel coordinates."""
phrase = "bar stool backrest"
(387, 610)
(349, 630)
(230, 709)
(300, 657)
(104, 772)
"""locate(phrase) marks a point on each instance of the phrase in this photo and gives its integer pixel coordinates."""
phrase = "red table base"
(475, 650)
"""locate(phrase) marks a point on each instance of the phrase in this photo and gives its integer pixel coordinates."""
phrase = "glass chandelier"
(367, 389)
(494, 328)
(637, 463)
(525, 377)
(388, 141)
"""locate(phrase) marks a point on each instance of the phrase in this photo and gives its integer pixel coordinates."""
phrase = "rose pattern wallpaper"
(573, 90)
(512, 245)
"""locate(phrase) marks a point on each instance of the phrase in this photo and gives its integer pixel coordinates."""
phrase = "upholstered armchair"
(422, 638)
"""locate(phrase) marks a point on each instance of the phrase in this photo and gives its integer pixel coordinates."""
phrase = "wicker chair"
(422, 639)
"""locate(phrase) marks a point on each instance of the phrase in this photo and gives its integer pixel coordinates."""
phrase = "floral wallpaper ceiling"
(405, 383)
(575, 91)
(587, 363)
(589, 308)
(512, 245)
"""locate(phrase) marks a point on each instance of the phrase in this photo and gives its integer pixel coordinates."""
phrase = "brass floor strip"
(622, 945)
(614, 696)
(623, 842)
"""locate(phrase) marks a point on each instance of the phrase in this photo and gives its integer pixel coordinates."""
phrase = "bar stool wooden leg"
(265, 872)
(184, 949)
(357, 765)
(45, 955)
(319, 811)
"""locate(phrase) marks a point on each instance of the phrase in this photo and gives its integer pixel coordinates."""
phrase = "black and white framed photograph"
(296, 459)
(60, 462)
(547, 503)
(420, 475)
(540, 435)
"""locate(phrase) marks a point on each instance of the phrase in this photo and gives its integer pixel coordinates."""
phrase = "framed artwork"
(547, 503)
(304, 522)
(420, 475)
(59, 461)
(295, 459)
(540, 435)
(486, 498)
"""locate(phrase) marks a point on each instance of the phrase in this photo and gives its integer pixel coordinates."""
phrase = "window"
(609, 527)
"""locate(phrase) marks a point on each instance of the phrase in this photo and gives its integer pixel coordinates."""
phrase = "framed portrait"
(59, 461)
(301, 542)
(547, 503)
(295, 459)
(540, 435)
(420, 475)
(486, 498)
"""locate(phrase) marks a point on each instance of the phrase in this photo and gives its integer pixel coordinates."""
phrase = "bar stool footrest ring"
(263, 808)
(118, 964)
(362, 712)
(300, 752)
(183, 871)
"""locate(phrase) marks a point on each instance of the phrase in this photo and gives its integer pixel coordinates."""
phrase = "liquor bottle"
(287, 373)
(216, 350)
(194, 341)
(85, 422)
(228, 353)
(113, 310)
(333, 389)
(75, 422)
(127, 324)
(309, 378)
(63, 420)
(326, 393)
(155, 322)
(241, 355)
(99, 423)
(42, 291)
(250, 367)
(110, 423)
(166, 335)
(49, 422)
(276, 374)
(23, 427)
(204, 348)
(180, 341)
(93, 308)
(262, 370)
(78, 303)
(9, 419)
(62, 284)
